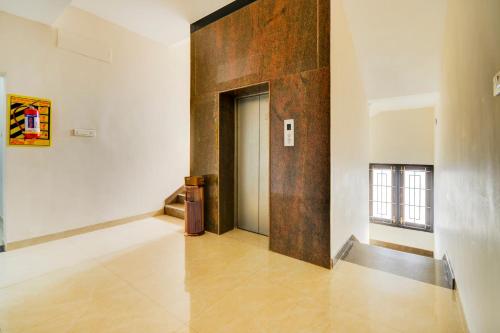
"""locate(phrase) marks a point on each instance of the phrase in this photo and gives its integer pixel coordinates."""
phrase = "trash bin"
(194, 219)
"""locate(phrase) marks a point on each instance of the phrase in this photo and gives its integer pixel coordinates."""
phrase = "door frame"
(224, 180)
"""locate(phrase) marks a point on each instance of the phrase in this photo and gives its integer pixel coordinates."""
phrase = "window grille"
(402, 195)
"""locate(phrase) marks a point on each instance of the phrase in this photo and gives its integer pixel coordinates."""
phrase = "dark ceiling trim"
(220, 13)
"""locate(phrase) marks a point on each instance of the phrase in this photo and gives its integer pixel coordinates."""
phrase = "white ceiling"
(398, 43)
(45, 11)
(166, 21)
(201, 8)
(160, 20)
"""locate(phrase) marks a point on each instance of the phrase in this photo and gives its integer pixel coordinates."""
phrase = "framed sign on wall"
(28, 121)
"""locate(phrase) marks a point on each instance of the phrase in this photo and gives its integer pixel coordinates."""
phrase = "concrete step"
(175, 209)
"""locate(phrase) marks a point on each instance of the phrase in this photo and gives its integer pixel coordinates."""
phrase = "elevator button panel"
(289, 133)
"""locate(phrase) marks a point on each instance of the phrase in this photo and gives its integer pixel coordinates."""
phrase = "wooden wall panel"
(286, 43)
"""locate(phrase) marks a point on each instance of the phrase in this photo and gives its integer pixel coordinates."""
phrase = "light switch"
(88, 133)
(289, 133)
(496, 85)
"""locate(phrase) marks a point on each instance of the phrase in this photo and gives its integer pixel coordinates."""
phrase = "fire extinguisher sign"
(28, 121)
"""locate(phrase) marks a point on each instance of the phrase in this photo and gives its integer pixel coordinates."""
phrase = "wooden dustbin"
(194, 221)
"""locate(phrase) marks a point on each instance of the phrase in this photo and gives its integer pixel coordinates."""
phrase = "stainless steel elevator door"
(253, 163)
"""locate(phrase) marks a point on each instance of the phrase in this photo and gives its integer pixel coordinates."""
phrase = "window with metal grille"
(402, 195)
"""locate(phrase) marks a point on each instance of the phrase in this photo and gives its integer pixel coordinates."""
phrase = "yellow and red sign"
(16, 107)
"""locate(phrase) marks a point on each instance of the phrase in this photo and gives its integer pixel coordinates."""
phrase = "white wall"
(349, 121)
(402, 137)
(468, 159)
(2, 138)
(2, 152)
(139, 105)
(407, 237)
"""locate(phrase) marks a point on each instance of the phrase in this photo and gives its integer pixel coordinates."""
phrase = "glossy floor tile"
(147, 277)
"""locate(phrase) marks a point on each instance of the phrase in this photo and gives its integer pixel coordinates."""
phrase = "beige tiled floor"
(147, 277)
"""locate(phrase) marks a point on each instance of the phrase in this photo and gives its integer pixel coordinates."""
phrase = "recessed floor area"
(404, 264)
(147, 277)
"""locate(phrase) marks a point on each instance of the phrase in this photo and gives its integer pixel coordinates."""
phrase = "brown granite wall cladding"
(285, 43)
(300, 176)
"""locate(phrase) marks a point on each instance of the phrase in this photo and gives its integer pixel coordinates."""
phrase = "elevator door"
(253, 163)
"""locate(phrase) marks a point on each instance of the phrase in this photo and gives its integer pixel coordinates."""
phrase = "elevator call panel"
(289, 133)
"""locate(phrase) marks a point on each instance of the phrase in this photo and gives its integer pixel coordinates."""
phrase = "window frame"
(398, 192)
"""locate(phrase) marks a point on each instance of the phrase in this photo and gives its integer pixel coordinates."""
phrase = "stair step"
(181, 198)
(409, 265)
(175, 209)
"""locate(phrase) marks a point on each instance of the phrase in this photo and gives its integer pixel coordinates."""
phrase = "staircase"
(174, 206)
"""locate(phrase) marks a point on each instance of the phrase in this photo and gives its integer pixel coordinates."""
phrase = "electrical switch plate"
(88, 133)
(496, 85)
(289, 133)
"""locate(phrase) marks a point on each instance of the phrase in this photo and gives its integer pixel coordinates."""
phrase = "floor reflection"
(147, 277)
